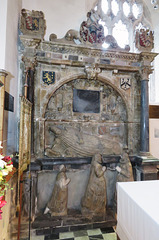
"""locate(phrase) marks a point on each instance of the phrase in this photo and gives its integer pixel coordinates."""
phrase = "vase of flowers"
(6, 167)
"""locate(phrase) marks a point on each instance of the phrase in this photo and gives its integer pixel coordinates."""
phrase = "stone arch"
(110, 124)
(78, 76)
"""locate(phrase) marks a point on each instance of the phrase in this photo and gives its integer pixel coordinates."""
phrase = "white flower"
(4, 172)
(9, 167)
(2, 163)
(1, 145)
(1, 156)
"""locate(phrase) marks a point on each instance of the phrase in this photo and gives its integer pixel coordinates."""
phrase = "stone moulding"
(28, 41)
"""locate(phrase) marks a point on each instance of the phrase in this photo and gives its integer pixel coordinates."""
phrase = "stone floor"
(72, 227)
(92, 234)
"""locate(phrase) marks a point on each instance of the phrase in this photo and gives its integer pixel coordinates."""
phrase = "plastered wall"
(154, 137)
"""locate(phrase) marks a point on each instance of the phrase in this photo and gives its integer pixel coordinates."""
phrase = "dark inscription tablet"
(86, 101)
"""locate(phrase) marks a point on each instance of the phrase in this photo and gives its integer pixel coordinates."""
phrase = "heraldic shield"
(48, 77)
(125, 83)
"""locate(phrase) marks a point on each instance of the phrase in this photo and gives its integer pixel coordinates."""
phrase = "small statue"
(94, 200)
(125, 173)
(57, 205)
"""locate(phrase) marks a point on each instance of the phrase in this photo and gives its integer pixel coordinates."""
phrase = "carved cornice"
(86, 51)
(29, 42)
(147, 56)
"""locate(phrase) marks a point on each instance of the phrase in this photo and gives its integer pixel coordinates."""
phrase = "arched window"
(121, 18)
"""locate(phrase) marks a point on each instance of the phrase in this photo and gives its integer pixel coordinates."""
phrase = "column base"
(148, 170)
(145, 154)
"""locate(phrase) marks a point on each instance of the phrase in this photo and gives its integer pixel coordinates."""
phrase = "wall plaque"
(8, 102)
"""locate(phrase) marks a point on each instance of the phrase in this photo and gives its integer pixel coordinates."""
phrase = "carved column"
(30, 63)
(149, 163)
(145, 71)
(3, 75)
(144, 132)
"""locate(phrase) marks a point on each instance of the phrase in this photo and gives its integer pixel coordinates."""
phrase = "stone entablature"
(66, 53)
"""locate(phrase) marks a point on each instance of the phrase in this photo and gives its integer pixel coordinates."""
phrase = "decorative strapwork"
(33, 23)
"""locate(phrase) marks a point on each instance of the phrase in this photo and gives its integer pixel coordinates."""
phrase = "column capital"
(145, 71)
(30, 62)
(3, 72)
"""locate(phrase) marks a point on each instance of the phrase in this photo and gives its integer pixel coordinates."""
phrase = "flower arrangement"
(6, 166)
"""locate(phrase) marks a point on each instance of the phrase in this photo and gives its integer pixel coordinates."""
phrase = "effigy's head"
(97, 158)
(62, 168)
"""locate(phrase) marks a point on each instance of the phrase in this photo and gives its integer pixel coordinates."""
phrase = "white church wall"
(3, 17)
(154, 85)
(10, 65)
(154, 137)
(60, 15)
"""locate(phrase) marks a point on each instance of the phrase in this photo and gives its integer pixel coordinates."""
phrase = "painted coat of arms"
(32, 23)
(144, 40)
(125, 83)
(48, 77)
(91, 31)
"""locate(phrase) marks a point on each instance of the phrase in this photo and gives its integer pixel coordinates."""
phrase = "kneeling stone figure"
(57, 205)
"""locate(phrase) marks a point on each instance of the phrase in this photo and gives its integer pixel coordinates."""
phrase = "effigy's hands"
(103, 168)
(118, 169)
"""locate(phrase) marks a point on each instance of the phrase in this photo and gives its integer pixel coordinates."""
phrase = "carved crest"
(48, 77)
(125, 83)
(144, 40)
(91, 31)
(32, 23)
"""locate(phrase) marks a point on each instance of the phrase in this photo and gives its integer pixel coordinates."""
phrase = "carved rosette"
(92, 71)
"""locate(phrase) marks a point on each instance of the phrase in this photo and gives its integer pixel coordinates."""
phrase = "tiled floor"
(93, 234)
